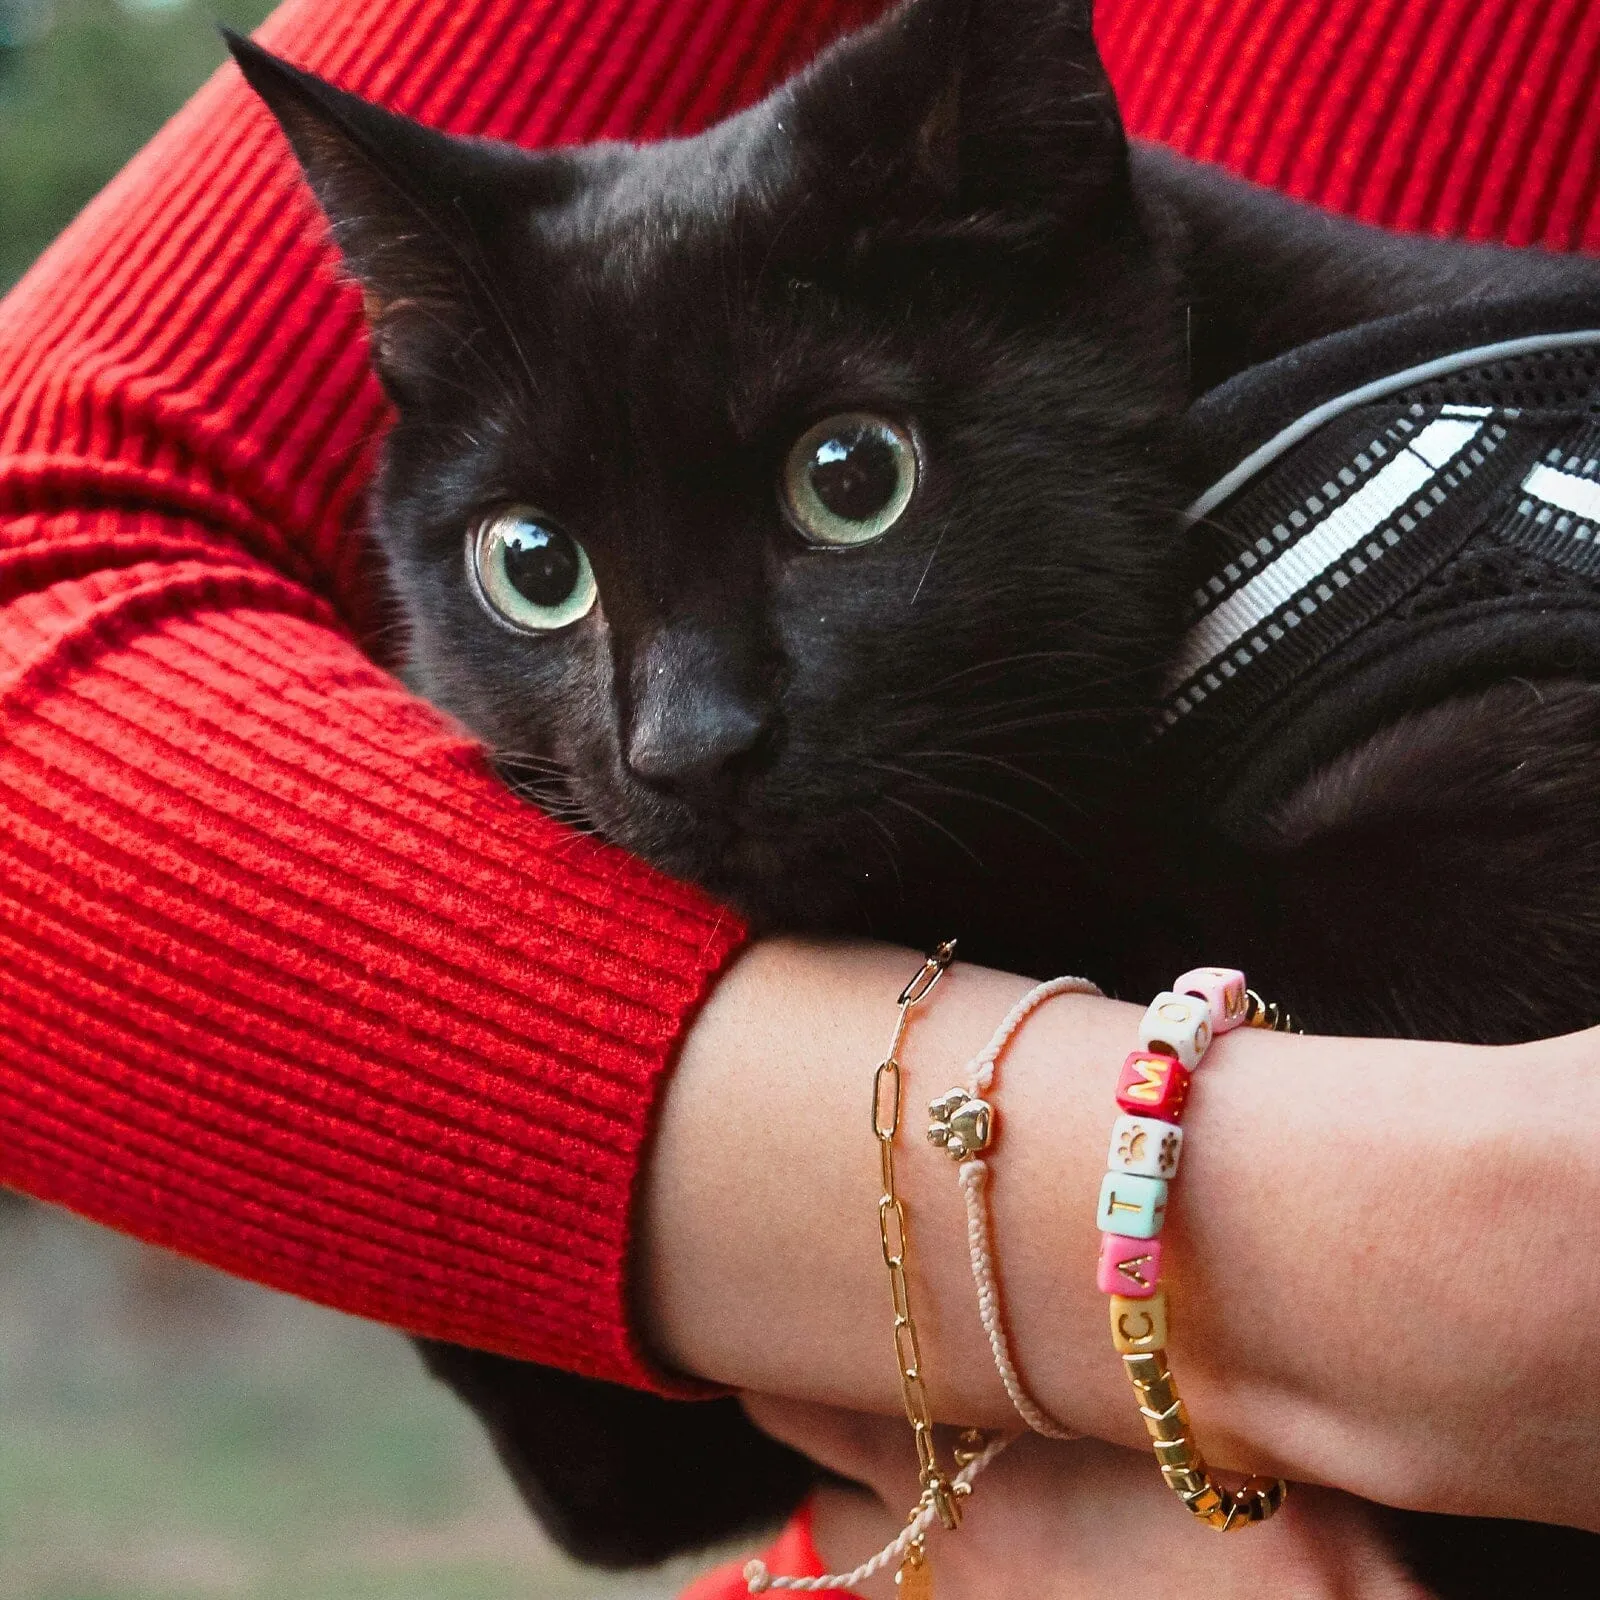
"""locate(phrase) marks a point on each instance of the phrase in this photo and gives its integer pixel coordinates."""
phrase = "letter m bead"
(1152, 1085)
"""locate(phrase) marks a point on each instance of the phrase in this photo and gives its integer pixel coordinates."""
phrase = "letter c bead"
(1177, 1025)
(1139, 1325)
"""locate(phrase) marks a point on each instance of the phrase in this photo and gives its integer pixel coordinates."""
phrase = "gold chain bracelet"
(937, 1488)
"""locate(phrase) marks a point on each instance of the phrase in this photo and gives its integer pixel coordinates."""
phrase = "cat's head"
(788, 501)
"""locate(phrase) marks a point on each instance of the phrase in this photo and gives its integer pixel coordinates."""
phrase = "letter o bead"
(1222, 989)
(1177, 1025)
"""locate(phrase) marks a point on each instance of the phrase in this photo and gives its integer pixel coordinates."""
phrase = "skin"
(1364, 1233)
(1349, 1228)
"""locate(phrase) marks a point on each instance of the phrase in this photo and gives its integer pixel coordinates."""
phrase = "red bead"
(1153, 1085)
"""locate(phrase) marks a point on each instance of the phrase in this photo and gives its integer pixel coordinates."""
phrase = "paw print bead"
(1177, 1025)
(1222, 989)
(1145, 1146)
(1152, 1086)
(1133, 1206)
(1129, 1267)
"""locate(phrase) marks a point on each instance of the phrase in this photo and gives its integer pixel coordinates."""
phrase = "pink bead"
(1222, 989)
(1129, 1267)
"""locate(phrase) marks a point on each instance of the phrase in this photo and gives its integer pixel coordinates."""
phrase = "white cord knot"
(756, 1577)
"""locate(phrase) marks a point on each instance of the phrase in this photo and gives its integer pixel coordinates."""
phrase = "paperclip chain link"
(887, 1099)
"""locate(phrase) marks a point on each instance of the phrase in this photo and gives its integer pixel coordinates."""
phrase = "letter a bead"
(1129, 1267)
(1177, 1025)
(1132, 1206)
(1222, 989)
(1152, 1086)
(1145, 1146)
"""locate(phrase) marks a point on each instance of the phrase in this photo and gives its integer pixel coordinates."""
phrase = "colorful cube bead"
(1145, 1145)
(1176, 1025)
(1138, 1326)
(1222, 989)
(1132, 1206)
(1152, 1086)
(1129, 1267)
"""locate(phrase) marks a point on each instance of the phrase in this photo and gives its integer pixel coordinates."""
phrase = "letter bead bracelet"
(1146, 1143)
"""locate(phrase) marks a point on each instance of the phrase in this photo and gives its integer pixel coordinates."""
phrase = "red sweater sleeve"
(287, 981)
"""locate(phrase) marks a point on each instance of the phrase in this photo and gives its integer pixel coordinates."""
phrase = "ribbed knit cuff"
(292, 984)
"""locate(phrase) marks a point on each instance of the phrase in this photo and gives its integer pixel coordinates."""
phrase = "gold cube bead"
(1175, 1452)
(1266, 1492)
(1185, 1480)
(1139, 1325)
(1171, 1424)
(1206, 1501)
(1161, 1395)
(1243, 1511)
(1146, 1367)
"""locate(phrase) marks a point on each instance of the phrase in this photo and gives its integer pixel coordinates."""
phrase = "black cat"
(801, 506)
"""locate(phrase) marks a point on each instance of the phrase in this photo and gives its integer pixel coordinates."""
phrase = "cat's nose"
(698, 744)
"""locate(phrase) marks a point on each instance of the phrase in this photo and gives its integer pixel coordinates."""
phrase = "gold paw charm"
(961, 1124)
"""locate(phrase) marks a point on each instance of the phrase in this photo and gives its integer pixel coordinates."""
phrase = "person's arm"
(1378, 1252)
(288, 980)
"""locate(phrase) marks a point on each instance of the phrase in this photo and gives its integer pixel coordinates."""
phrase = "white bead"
(1177, 1025)
(1146, 1146)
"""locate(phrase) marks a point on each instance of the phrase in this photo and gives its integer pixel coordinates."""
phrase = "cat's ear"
(989, 107)
(410, 208)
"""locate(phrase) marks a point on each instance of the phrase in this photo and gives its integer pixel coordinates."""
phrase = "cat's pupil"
(541, 562)
(855, 473)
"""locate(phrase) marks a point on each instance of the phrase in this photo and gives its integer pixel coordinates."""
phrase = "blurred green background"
(166, 1433)
(83, 83)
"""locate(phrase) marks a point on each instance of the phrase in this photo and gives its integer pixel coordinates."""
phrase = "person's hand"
(1374, 1251)
(1075, 1521)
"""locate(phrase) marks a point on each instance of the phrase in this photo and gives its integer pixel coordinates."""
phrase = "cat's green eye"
(529, 572)
(849, 478)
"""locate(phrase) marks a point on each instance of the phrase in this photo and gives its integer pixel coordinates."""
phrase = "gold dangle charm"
(914, 1580)
(962, 1124)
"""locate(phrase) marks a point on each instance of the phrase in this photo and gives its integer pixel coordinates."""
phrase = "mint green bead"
(1132, 1205)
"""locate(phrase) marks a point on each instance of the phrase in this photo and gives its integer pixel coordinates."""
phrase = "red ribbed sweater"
(287, 981)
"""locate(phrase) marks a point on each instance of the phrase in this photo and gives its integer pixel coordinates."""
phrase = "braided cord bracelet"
(964, 1126)
(1146, 1142)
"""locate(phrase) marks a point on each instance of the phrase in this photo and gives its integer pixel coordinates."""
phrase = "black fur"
(941, 220)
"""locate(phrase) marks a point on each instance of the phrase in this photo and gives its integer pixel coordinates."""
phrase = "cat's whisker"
(1076, 655)
(961, 792)
(891, 845)
(993, 761)
(936, 825)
